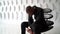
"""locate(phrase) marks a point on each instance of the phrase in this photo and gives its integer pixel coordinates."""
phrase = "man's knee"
(24, 24)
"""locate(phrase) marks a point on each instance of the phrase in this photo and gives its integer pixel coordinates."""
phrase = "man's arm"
(30, 20)
(40, 14)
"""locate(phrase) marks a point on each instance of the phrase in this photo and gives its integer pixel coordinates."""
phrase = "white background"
(12, 14)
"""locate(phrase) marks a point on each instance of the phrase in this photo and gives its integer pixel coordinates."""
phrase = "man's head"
(30, 10)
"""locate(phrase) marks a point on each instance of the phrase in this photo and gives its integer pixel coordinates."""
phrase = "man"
(25, 25)
(39, 25)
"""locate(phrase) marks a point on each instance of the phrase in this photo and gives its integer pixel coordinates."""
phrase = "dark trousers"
(24, 25)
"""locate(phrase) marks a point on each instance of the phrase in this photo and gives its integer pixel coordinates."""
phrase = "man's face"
(30, 11)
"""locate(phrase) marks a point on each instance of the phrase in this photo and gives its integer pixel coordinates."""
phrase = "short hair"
(28, 8)
(34, 6)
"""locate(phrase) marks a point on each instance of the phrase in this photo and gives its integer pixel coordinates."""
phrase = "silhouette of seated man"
(40, 24)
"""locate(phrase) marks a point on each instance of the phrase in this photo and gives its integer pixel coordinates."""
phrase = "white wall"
(12, 13)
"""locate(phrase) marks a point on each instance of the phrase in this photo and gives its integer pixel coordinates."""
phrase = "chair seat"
(48, 16)
(49, 23)
(47, 10)
(47, 29)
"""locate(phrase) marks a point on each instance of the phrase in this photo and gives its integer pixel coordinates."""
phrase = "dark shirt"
(39, 17)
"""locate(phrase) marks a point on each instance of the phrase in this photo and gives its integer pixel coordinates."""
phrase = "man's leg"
(24, 25)
(36, 29)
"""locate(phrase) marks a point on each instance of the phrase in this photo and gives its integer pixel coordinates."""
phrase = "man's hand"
(29, 30)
